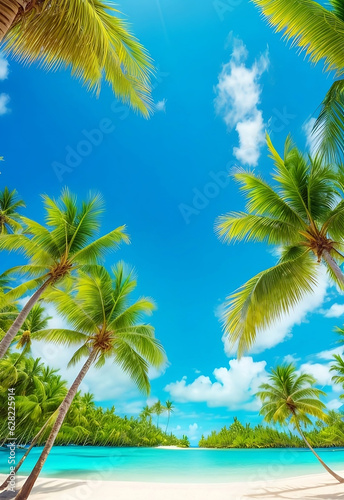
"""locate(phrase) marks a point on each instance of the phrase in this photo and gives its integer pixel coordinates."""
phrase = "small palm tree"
(146, 413)
(291, 398)
(302, 214)
(338, 368)
(56, 250)
(58, 33)
(318, 31)
(106, 326)
(169, 408)
(158, 409)
(9, 217)
(36, 321)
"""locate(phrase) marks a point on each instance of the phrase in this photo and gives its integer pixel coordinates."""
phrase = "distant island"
(237, 435)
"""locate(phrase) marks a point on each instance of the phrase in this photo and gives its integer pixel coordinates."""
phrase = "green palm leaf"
(58, 33)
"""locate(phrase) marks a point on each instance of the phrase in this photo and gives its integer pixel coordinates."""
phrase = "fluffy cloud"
(320, 372)
(237, 98)
(281, 330)
(335, 311)
(161, 105)
(234, 387)
(4, 100)
(4, 68)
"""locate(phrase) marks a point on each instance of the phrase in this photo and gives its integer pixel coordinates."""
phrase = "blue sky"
(222, 73)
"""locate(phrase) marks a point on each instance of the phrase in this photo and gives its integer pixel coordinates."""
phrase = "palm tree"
(318, 31)
(106, 326)
(146, 413)
(36, 321)
(302, 214)
(158, 409)
(169, 409)
(338, 368)
(291, 398)
(56, 250)
(9, 217)
(58, 33)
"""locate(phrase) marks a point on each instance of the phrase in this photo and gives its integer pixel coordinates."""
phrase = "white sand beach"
(315, 487)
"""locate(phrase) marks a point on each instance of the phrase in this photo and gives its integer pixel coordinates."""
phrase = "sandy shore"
(315, 487)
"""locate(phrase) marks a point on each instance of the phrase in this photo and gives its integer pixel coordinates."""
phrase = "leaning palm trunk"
(330, 471)
(14, 329)
(9, 10)
(63, 409)
(334, 266)
(168, 421)
(33, 443)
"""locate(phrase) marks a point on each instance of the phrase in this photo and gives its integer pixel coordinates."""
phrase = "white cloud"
(307, 129)
(161, 105)
(335, 311)
(234, 387)
(4, 68)
(328, 354)
(320, 372)
(4, 100)
(334, 404)
(290, 358)
(282, 330)
(237, 98)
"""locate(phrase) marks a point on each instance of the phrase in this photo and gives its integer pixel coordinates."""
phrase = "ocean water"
(189, 465)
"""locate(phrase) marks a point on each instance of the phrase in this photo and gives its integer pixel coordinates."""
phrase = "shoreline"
(311, 486)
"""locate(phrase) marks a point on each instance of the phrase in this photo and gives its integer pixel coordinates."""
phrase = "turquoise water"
(191, 465)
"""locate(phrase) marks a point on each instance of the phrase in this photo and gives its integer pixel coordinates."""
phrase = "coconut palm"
(291, 399)
(302, 213)
(318, 31)
(56, 250)
(9, 216)
(158, 409)
(338, 368)
(169, 408)
(58, 33)
(36, 321)
(105, 325)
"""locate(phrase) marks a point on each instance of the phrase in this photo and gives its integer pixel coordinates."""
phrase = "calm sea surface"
(191, 465)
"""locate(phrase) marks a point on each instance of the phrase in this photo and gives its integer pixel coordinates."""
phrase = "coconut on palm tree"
(291, 399)
(88, 36)
(104, 324)
(9, 216)
(302, 214)
(55, 250)
(319, 32)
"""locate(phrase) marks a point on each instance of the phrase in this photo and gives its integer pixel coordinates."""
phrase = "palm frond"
(60, 32)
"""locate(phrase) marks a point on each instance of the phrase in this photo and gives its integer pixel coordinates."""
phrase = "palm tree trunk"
(63, 409)
(168, 421)
(33, 443)
(330, 471)
(9, 9)
(13, 330)
(334, 266)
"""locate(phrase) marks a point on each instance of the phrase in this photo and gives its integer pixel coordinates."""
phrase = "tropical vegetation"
(317, 30)
(86, 423)
(56, 34)
(55, 250)
(290, 398)
(301, 214)
(238, 435)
